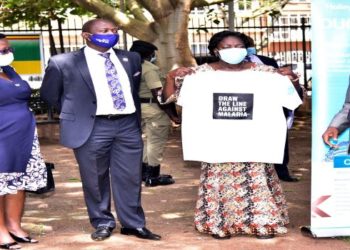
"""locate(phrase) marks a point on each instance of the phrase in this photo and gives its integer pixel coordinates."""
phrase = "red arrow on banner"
(317, 202)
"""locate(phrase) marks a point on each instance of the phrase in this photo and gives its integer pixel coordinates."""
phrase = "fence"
(286, 40)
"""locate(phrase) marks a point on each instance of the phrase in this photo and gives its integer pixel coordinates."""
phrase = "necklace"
(230, 67)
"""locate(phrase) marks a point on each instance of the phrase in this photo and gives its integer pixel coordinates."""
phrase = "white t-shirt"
(235, 116)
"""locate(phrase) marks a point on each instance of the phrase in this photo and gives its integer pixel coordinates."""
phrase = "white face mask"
(233, 55)
(6, 59)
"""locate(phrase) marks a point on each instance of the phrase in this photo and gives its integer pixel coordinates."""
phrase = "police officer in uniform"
(155, 117)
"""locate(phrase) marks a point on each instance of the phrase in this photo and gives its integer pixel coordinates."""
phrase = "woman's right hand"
(180, 72)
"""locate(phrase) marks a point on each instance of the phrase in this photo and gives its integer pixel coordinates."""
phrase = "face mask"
(153, 59)
(104, 40)
(233, 55)
(6, 59)
(251, 51)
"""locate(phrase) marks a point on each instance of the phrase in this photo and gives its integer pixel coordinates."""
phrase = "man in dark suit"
(281, 169)
(96, 90)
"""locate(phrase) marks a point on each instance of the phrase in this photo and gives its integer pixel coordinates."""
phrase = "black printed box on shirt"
(233, 106)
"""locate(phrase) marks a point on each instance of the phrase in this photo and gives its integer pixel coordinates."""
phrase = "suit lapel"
(81, 64)
(125, 61)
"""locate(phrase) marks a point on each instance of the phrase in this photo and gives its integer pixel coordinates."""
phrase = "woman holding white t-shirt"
(237, 197)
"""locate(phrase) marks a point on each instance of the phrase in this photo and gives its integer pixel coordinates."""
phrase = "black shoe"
(23, 239)
(288, 178)
(12, 245)
(216, 236)
(142, 233)
(265, 237)
(159, 181)
(101, 233)
(166, 176)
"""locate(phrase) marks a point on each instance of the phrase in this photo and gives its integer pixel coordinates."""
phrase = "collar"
(96, 52)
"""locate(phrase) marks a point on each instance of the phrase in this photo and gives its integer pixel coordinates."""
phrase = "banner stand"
(330, 166)
(306, 231)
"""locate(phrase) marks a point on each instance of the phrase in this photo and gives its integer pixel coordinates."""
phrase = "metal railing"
(288, 43)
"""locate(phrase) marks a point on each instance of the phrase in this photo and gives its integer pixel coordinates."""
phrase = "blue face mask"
(104, 40)
(251, 51)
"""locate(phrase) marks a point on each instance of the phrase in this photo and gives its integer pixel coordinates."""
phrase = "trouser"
(282, 169)
(156, 127)
(110, 165)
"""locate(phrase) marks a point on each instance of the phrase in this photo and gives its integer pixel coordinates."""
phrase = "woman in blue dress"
(21, 165)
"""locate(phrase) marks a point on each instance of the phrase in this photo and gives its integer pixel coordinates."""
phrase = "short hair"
(2, 36)
(218, 37)
(145, 49)
(89, 24)
(250, 41)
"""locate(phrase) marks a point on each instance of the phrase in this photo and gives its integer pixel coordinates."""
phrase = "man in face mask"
(96, 90)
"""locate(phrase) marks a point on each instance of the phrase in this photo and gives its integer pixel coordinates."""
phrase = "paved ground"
(60, 221)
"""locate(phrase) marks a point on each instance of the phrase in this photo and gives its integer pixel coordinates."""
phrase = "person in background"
(250, 199)
(155, 117)
(339, 123)
(96, 90)
(252, 56)
(21, 164)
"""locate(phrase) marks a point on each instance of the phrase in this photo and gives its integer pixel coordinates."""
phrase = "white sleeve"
(287, 94)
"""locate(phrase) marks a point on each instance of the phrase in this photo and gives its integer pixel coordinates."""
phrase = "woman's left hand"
(287, 71)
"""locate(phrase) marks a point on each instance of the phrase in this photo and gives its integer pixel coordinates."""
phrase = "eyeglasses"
(6, 51)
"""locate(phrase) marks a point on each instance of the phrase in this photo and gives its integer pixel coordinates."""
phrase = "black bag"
(50, 186)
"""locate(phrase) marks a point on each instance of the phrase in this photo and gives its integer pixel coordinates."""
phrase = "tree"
(39, 12)
(167, 27)
(162, 22)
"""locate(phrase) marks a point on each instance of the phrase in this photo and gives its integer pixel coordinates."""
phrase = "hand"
(287, 71)
(330, 133)
(180, 72)
(175, 119)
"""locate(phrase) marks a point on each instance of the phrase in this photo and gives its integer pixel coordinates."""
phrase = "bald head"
(93, 24)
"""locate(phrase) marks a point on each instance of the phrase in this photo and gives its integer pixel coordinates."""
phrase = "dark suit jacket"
(268, 61)
(67, 85)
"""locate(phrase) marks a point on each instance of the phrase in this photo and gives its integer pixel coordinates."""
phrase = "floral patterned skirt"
(34, 178)
(240, 198)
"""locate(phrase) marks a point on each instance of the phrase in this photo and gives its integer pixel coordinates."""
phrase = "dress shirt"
(96, 65)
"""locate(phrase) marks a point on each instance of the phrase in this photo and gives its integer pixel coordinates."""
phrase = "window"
(245, 5)
(199, 49)
(294, 19)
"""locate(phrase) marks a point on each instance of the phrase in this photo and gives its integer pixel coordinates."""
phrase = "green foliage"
(36, 12)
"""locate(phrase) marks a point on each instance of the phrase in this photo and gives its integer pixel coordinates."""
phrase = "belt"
(148, 100)
(112, 117)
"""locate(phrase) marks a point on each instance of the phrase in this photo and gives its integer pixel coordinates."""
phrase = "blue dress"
(21, 164)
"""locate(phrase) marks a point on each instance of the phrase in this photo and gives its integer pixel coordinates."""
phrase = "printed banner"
(28, 57)
(233, 106)
(330, 191)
